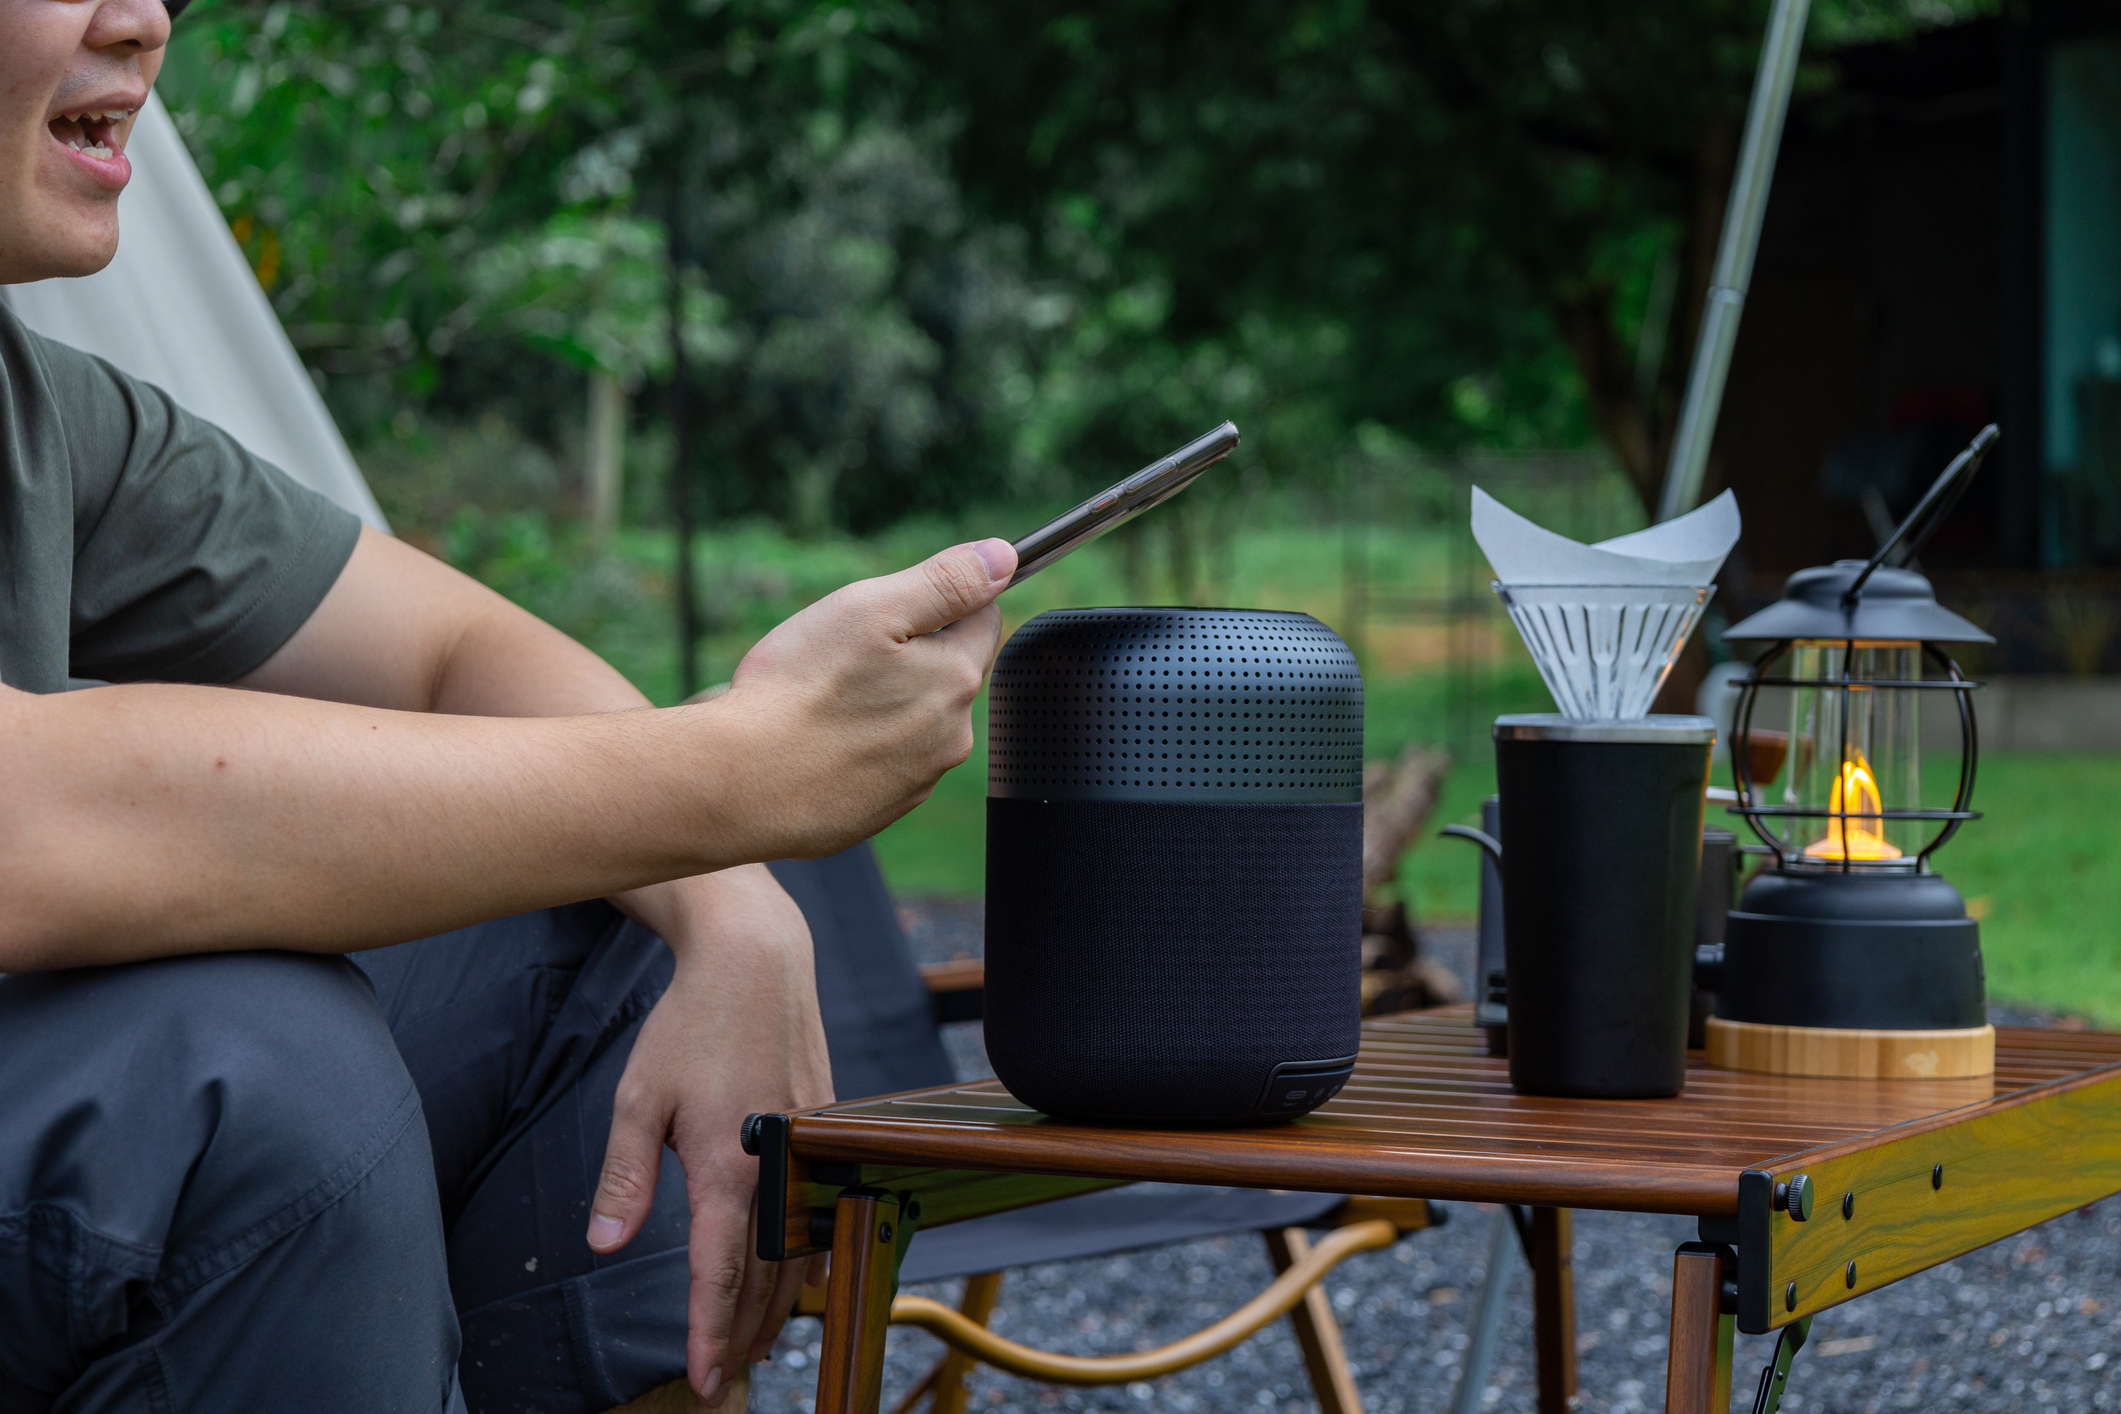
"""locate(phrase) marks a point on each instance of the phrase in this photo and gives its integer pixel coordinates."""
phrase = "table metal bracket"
(798, 1196)
(1775, 1375)
(1900, 1200)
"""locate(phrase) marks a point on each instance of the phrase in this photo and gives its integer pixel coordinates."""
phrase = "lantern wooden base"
(1853, 1055)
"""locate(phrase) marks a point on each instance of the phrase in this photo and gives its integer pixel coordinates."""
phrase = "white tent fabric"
(180, 308)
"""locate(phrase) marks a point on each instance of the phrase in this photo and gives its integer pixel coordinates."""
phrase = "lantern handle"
(1942, 496)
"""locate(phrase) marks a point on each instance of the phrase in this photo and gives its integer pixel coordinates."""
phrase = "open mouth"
(93, 134)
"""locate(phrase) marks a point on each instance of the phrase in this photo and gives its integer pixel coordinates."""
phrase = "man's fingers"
(721, 1291)
(947, 586)
(978, 636)
(626, 1189)
(754, 1311)
(789, 1278)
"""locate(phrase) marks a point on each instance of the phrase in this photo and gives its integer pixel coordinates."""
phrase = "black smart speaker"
(1174, 865)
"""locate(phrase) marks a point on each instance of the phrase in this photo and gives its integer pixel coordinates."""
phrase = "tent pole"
(1734, 257)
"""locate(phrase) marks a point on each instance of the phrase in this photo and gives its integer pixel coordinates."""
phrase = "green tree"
(427, 188)
(1478, 194)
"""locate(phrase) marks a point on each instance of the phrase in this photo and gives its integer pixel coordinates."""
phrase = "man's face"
(73, 73)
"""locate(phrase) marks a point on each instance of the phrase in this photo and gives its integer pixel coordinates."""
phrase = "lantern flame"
(1855, 792)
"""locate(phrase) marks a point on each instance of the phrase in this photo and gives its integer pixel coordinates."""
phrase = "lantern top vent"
(1894, 605)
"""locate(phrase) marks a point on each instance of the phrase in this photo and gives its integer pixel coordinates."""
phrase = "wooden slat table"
(1906, 1174)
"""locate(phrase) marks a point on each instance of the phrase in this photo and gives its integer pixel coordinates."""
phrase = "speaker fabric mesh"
(1175, 705)
(1155, 961)
(1174, 863)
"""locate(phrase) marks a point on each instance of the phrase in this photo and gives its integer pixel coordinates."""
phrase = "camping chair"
(882, 1017)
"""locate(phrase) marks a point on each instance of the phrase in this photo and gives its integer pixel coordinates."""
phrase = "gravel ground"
(2028, 1324)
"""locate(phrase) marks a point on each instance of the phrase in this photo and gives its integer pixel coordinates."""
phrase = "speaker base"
(1851, 1054)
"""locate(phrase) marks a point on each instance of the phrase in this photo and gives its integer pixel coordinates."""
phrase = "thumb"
(950, 585)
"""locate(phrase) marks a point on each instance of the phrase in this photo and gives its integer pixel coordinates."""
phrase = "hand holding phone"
(1116, 505)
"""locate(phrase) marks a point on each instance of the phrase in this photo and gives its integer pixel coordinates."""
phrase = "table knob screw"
(1936, 1176)
(1849, 1276)
(883, 1234)
(1795, 1197)
(1789, 1297)
(1848, 1206)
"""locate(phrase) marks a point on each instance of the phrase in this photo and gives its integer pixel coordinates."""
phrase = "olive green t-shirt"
(138, 543)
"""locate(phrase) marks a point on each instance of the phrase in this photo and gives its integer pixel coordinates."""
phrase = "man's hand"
(737, 1033)
(869, 691)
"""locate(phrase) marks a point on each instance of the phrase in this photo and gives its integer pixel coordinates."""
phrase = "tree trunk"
(606, 468)
(1133, 550)
(681, 462)
(1355, 563)
(1637, 422)
(1396, 801)
(1608, 372)
(1185, 577)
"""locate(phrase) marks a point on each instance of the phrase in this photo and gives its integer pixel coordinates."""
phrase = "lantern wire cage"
(1840, 827)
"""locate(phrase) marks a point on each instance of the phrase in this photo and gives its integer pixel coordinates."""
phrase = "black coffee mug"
(1601, 855)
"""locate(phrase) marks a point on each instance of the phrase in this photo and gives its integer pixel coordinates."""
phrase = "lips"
(93, 141)
(93, 133)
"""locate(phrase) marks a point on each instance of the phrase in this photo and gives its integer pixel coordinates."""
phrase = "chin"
(81, 248)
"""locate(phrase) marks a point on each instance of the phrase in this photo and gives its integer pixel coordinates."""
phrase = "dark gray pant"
(271, 1181)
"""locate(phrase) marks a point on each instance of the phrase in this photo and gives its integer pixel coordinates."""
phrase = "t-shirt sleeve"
(193, 558)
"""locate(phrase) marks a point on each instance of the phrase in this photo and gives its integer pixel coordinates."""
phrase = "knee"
(210, 1114)
(246, 1074)
(287, 1055)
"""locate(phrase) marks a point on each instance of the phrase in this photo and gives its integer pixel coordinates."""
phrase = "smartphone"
(1114, 506)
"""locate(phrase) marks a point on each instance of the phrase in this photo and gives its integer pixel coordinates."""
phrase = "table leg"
(1698, 1368)
(850, 1374)
(1554, 1307)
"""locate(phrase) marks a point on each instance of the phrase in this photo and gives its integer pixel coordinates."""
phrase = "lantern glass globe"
(1855, 754)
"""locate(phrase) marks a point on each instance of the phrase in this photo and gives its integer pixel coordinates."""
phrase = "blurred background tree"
(960, 247)
(978, 253)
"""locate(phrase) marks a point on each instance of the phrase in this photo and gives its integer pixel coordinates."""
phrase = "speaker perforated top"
(1209, 705)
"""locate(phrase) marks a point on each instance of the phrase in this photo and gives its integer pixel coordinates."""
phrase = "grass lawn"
(2040, 872)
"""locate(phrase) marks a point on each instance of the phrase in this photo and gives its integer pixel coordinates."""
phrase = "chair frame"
(1300, 1264)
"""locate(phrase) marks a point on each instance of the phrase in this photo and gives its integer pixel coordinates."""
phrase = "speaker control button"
(1301, 1087)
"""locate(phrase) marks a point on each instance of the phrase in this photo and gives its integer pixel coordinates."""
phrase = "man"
(217, 1190)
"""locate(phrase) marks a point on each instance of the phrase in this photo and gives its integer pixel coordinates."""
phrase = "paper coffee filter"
(1686, 550)
(1605, 623)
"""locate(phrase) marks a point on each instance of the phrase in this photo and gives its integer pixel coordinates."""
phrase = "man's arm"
(146, 820)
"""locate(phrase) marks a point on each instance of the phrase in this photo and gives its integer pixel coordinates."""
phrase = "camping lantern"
(1848, 956)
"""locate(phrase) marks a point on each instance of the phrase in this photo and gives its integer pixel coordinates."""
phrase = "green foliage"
(1468, 199)
(594, 291)
(428, 191)
(938, 252)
